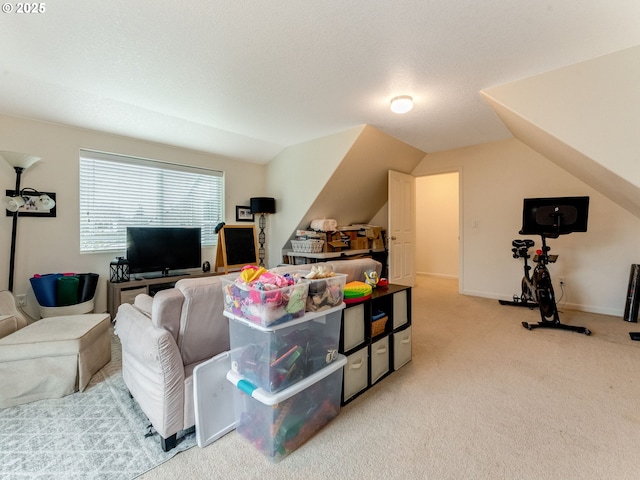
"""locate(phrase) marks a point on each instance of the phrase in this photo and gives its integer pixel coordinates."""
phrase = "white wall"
(496, 178)
(591, 106)
(295, 177)
(341, 176)
(48, 245)
(437, 225)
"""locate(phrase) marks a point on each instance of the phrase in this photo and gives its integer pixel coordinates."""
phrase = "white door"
(402, 228)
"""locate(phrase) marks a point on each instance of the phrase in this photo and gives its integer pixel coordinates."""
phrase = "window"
(118, 191)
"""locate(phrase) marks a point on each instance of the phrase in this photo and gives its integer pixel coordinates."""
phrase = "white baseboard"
(616, 312)
(439, 275)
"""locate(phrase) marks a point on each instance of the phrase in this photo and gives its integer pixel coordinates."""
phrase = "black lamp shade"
(263, 205)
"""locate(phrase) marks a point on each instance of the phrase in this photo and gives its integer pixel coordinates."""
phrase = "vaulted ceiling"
(584, 118)
(245, 79)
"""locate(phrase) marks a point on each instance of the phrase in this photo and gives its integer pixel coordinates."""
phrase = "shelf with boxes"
(375, 336)
(309, 246)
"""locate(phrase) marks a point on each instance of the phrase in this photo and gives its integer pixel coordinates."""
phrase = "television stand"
(164, 274)
(125, 292)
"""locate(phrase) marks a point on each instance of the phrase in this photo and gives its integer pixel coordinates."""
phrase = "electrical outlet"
(22, 300)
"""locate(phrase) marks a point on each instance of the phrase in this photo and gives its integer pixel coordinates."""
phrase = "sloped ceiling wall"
(351, 170)
(357, 190)
(585, 118)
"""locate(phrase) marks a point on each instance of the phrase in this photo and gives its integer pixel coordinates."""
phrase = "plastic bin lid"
(213, 402)
(274, 398)
(317, 316)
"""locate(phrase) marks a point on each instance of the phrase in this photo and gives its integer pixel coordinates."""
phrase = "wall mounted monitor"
(554, 216)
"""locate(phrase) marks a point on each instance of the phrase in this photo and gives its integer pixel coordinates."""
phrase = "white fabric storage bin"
(353, 327)
(379, 359)
(401, 348)
(356, 373)
(400, 310)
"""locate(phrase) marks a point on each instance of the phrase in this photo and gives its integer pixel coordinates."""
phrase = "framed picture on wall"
(243, 214)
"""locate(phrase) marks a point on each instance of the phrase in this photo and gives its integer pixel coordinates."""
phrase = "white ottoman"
(53, 357)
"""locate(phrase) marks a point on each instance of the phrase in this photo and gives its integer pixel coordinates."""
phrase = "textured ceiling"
(245, 79)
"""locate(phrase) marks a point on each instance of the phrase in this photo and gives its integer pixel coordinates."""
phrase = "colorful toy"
(371, 277)
(264, 297)
(357, 291)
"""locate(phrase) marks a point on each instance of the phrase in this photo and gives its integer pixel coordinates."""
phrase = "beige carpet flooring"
(483, 398)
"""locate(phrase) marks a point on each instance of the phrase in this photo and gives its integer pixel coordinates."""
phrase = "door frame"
(459, 171)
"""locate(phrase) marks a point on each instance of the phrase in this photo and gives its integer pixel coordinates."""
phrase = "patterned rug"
(100, 433)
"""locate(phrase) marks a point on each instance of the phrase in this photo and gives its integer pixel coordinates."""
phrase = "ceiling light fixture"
(401, 104)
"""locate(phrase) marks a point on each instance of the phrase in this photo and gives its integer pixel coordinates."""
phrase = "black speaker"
(206, 267)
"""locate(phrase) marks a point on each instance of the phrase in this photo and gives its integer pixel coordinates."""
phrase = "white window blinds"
(118, 191)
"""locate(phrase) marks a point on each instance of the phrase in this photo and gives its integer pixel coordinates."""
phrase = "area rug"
(100, 433)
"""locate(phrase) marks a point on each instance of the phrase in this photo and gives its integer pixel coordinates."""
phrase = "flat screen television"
(156, 251)
(554, 216)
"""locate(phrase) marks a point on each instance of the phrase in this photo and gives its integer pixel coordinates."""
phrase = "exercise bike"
(549, 218)
(527, 297)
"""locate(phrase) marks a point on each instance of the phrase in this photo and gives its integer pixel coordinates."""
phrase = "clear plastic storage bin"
(325, 293)
(265, 307)
(278, 424)
(273, 358)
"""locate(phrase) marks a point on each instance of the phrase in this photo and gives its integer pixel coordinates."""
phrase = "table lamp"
(262, 206)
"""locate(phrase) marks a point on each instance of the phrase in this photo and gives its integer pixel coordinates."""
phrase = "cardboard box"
(360, 243)
(376, 236)
(377, 243)
(337, 246)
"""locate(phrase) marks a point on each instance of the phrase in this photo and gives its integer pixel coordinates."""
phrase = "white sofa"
(165, 337)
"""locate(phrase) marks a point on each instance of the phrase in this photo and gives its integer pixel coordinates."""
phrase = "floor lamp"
(20, 162)
(262, 206)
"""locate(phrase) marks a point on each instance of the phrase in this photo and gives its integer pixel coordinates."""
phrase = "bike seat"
(526, 243)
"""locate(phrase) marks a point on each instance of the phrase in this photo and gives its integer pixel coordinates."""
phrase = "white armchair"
(163, 339)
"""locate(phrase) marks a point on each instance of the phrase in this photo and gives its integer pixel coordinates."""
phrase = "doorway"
(438, 225)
